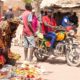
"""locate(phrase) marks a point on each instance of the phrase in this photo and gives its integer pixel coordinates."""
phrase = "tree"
(37, 3)
(27, 1)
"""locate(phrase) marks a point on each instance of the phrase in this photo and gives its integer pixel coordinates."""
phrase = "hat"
(33, 10)
(50, 11)
(10, 8)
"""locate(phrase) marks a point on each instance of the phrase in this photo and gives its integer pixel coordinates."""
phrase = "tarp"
(47, 3)
(61, 3)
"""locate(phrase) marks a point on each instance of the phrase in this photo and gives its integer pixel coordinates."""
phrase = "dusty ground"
(55, 69)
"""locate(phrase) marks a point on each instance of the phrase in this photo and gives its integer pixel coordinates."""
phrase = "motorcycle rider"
(68, 24)
(48, 25)
(66, 21)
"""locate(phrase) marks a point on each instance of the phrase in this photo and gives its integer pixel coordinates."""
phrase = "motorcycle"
(72, 53)
(65, 46)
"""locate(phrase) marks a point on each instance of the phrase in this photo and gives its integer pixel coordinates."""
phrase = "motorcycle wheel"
(59, 49)
(41, 54)
(73, 58)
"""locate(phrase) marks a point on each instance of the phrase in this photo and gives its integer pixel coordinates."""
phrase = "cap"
(50, 11)
(10, 7)
(33, 10)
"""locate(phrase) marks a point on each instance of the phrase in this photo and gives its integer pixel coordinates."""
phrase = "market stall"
(22, 71)
(62, 5)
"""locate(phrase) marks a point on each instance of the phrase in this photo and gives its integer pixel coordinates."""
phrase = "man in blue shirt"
(66, 21)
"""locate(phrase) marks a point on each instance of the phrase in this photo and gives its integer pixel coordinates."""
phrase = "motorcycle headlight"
(71, 32)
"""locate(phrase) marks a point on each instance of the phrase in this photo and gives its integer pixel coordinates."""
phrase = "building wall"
(13, 3)
(1, 7)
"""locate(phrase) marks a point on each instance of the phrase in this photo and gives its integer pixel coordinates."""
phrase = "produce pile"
(24, 71)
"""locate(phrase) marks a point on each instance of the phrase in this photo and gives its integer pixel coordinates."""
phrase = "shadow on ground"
(58, 61)
(55, 61)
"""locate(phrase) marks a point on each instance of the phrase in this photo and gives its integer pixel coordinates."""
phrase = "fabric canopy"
(47, 3)
(61, 3)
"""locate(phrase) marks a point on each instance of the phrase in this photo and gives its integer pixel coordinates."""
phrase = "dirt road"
(55, 69)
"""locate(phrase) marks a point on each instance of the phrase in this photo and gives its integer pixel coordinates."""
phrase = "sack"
(60, 36)
(40, 35)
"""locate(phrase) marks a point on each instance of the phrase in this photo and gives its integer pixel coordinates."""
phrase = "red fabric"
(50, 22)
(2, 59)
(68, 28)
(26, 29)
(0, 17)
